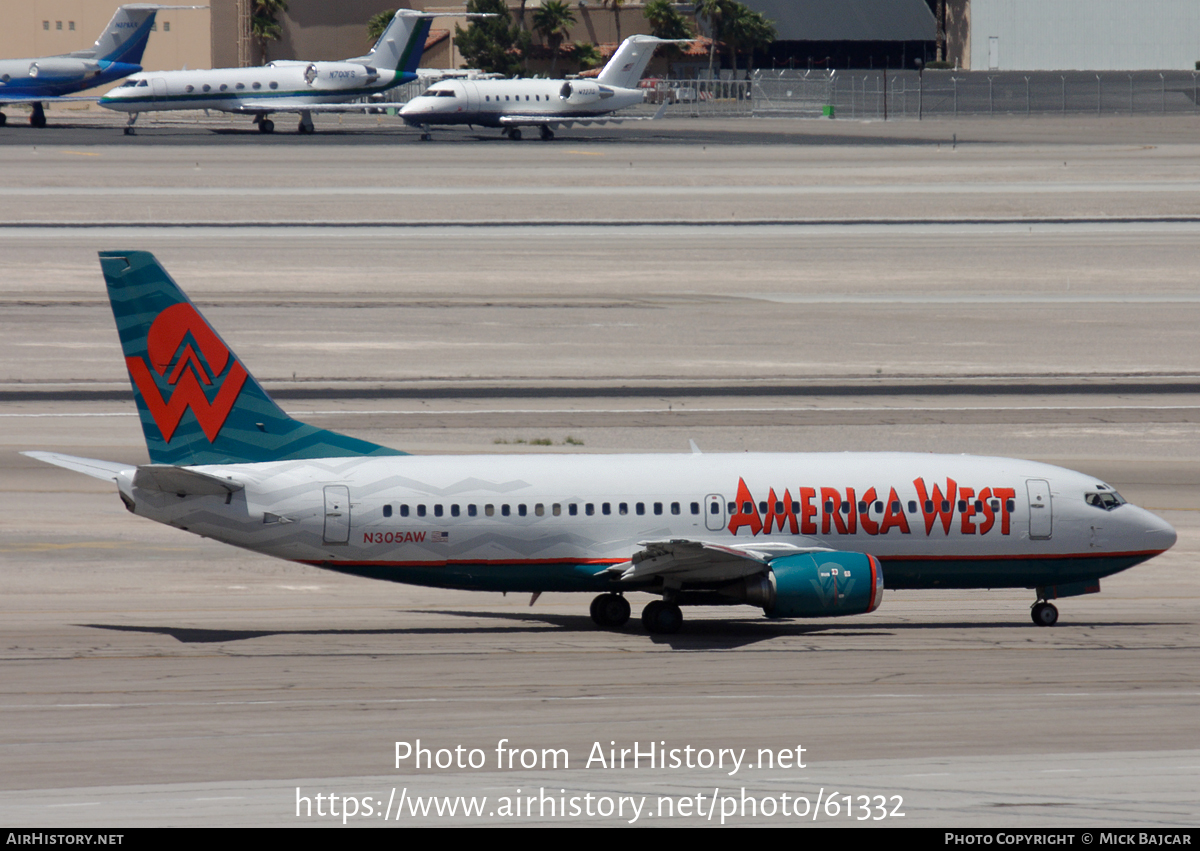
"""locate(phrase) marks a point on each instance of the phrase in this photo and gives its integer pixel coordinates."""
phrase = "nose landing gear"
(1044, 614)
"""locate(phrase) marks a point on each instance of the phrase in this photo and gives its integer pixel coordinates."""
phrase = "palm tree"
(665, 20)
(615, 5)
(378, 23)
(744, 29)
(552, 21)
(712, 12)
(264, 23)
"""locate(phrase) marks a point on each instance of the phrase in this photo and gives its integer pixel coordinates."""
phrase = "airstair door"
(337, 514)
(1041, 513)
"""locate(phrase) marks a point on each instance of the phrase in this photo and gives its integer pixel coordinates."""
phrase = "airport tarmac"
(474, 299)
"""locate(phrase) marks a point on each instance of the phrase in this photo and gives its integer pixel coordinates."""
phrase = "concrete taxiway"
(985, 299)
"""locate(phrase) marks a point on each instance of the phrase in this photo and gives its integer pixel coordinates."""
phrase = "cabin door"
(1041, 514)
(714, 512)
(337, 514)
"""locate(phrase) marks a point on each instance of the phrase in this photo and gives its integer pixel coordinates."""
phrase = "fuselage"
(540, 523)
(55, 76)
(271, 87)
(490, 102)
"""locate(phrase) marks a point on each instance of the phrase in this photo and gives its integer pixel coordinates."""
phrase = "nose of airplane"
(1155, 533)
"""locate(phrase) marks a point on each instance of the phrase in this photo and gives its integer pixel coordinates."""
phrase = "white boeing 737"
(798, 535)
(285, 85)
(511, 104)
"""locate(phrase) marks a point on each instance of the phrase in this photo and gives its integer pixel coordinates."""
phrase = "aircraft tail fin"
(401, 45)
(124, 39)
(628, 64)
(197, 403)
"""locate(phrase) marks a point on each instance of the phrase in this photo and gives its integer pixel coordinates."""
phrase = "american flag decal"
(439, 537)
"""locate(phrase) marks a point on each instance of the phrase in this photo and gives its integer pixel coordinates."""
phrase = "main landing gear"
(306, 123)
(547, 133)
(1044, 614)
(37, 118)
(662, 618)
(3, 119)
(610, 610)
(513, 133)
(265, 125)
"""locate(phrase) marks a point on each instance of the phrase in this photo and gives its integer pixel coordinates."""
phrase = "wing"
(44, 98)
(687, 561)
(267, 109)
(583, 119)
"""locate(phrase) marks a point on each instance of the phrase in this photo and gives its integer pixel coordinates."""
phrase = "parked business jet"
(798, 535)
(547, 104)
(117, 53)
(284, 85)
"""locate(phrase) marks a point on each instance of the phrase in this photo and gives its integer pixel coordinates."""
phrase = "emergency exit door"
(337, 514)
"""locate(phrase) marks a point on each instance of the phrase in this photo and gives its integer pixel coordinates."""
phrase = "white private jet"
(117, 53)
(547, 104)
(798, 535)
(285, 85)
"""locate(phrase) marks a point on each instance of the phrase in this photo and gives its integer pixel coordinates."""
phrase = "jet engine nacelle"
(57, 68)
(579, 92)
(337, 76)
(814, 585)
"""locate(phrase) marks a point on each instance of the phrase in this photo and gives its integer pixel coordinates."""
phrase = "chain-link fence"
(912, 95)
(935, 94)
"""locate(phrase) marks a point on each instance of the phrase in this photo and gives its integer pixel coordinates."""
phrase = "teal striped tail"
(197, 402)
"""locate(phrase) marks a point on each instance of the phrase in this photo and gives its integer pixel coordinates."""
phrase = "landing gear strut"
(610, 610)
(265, 125)
(662, 618)
(133, 117)
(547, 133)
(1044, 614)
(425, 134)
(3, 119)
(306, 123)
(37, 118)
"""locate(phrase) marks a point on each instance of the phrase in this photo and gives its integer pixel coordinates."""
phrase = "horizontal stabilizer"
(106, 470)
(183, 481)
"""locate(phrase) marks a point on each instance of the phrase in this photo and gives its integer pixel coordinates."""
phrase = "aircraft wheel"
(266, 126)
(547, 133)
(425, 137)
(610, 610)
(1044, 614)
(3, 119)
(37, 120)
(515, 134)
(662, 618)
(304, 127)
(129, 131)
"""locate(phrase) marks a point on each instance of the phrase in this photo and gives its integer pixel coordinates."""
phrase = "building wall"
(1098, 35)
(23, 35)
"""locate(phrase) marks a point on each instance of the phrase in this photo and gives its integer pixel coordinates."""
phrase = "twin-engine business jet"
(116, 54)
(547, 104)
(799, 535)
(285, 85)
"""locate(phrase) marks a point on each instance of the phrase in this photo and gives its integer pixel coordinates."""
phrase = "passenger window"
(454, 510)
(895, 506)
(256, 86)
(521, 509)
(573, 509)
(274, 85)
(658, 508)
(606, 508)
(1012, 505)
(623, 508)
(404, 511)
(471, 511)
(715, 508)
(695, 508)
(912, 506)
(207, 87)
(240, 86)
(674, 507)
(945, 505)
(420, 511)
(862, 507)
(962, 505)
(224, 87)
(437, 510)
(505, 510)
(589, 509)
(539, 510)
(762, 507)
(748, 508)
(640, 508)
(387, 511)
(489, 510)
(732, 508)
(189, 88)
(557, 509)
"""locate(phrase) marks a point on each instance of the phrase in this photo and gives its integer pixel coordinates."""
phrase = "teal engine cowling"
(820, 585)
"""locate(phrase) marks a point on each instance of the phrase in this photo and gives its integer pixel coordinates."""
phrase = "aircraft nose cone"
(1157, 533)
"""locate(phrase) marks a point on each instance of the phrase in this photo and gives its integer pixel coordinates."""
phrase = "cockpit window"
(1107, 499)
(439, 93)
